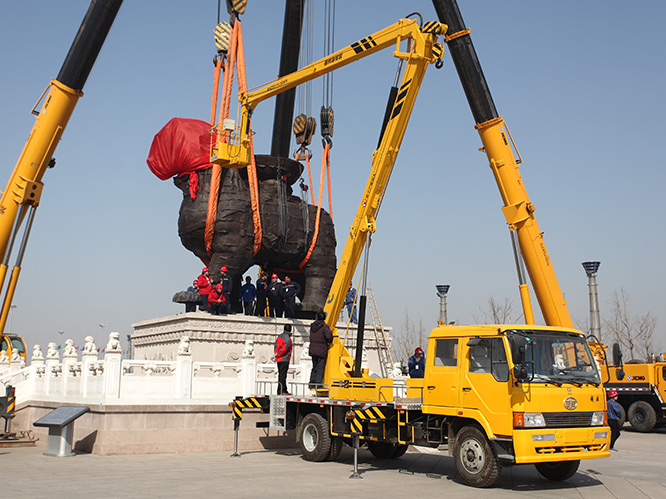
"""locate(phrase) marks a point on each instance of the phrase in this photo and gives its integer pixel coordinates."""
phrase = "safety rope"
(235, 61)
(324, 161)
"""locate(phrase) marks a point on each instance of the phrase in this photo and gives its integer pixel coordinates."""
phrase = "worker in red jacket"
(282, 355)
(217, 301)
(205, 286)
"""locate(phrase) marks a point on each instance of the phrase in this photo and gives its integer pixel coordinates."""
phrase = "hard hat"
(195, 282)
(205, 269)
(612, 393)
(219, 285)
(418, 351)
(274, 276)
(224, 268)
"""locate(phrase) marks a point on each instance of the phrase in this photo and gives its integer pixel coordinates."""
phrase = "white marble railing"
(113, 380)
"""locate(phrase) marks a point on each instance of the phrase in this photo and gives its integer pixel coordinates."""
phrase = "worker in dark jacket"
(262, 290)
(416, 364)
(282, 355)
(289, 292)
(275, 297)
(321, 337)
(227, 284)
(614, 411)
(205, 286)
(350, 304)
(248, 293)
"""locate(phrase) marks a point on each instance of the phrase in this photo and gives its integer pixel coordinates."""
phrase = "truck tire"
(623, 416)
(475, 459)
(336, 447)
(400, 450)
(315, 438)
(385, 450)
(642, 416)
(558, 471)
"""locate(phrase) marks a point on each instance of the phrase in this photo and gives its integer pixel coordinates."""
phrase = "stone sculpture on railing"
(184, 346)
(52, 352)
(113, 346)
(89, 346)
(37, 353)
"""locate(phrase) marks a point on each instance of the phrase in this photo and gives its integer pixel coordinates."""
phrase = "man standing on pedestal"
(282, 355)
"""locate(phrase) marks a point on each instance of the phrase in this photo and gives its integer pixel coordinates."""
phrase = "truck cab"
(533, 390)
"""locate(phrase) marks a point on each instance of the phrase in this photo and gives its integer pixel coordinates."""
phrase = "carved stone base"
(223, 338)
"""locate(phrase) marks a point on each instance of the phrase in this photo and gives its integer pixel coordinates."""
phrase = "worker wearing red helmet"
(216, 300)
(276, 297)
(205, 284)
(227, 284)
(614, 411)
(416, 364)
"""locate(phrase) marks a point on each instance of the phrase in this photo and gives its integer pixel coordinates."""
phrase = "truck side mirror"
(520, 372)
(619, 373)
(518, 344)
(617, 355)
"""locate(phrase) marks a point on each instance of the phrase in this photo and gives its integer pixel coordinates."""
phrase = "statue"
(113, 346)
(37, 353)
(248, 351)
(52, 352)
(70, 351)
(288, 222)
(89, 346)
(184, 346)
(4, 358)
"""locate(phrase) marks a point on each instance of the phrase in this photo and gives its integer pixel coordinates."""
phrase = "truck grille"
(567, 419)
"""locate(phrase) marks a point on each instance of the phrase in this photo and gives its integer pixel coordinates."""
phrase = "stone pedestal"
(223, 338)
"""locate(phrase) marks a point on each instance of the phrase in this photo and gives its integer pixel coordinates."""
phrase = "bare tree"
(634, 333)
(408, 338)
(497, 313)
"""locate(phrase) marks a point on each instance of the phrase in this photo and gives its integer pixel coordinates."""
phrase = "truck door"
(485, 382)
(442, 377)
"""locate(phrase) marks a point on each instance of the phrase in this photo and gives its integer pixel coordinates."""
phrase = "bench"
(60, 423)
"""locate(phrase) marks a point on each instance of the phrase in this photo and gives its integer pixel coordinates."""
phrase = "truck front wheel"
(315, 438)
(474, 458)
(642, 416)
(386, 450)
(558, 471)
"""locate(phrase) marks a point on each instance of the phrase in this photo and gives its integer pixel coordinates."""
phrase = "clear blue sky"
(580, 85)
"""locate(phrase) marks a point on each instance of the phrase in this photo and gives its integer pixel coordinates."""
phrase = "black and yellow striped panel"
(356, 426)
(249, 403)
(433, 27)
(363, 45)
(8, 404)
(373, 414)
(400, 99)
(237, 413)
(222, 34)
(438, 51)
(299, 124)
(238, 6)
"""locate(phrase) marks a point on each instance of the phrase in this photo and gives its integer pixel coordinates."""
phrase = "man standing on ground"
(262, 289)
(416, 364)
(205, 286)
(291, 289)
(248, 292)
(614, 415)
(275, 296)
(321, 337)
(282, 355)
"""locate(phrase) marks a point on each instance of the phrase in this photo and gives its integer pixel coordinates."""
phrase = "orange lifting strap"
(325, 166)
(235, 56)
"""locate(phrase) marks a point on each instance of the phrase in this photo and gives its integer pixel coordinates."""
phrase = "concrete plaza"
(636, 471)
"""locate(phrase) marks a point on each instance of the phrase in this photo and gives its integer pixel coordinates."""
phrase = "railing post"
(184, 369)
(88, 358)
(52, 362)
(248, 370)
(112, 367)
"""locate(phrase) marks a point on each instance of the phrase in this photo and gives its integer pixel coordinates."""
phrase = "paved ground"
(636, 471)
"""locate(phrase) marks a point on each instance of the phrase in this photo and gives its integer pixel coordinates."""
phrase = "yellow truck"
(498, 395)
(641, 387)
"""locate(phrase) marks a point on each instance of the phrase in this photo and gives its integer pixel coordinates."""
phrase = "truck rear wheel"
(315, 438)
(623, 416)
(642, 416)
(558, 471)
(474, 458)
(336, 447)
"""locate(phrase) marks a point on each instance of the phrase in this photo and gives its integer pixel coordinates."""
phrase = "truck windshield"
(557, 358)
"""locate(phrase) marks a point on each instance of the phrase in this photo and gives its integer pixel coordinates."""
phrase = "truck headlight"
(598, 418)
(528, 420)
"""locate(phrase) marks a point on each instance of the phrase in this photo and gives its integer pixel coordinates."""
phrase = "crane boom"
(497, 144)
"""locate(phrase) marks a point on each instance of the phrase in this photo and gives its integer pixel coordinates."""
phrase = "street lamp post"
(595, 319)
(442, 289)
(61, 333)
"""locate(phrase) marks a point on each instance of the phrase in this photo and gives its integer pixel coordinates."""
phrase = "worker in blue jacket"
(290, 290)
(416, 364)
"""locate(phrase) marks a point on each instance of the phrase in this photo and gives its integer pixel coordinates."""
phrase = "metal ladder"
(385, 357)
